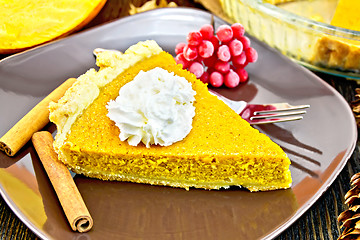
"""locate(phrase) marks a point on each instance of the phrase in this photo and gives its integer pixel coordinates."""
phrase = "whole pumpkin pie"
(220, 150)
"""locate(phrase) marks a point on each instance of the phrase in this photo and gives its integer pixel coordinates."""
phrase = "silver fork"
(264, 113)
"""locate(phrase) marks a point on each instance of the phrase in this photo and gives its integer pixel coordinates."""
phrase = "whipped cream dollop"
(155, 108)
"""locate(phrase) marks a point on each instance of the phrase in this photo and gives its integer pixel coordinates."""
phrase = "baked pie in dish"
(320, 34)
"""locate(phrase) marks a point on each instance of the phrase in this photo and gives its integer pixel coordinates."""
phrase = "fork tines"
(279, 112)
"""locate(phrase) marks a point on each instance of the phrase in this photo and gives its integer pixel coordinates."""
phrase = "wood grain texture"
(319, 222)
(10, 226)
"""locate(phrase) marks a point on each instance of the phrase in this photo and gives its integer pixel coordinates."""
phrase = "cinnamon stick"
(63, 183)
(32, 122)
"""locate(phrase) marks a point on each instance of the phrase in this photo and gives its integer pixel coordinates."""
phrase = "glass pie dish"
(301, 30)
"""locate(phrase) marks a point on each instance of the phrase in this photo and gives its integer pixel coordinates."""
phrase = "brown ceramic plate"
(319, 145)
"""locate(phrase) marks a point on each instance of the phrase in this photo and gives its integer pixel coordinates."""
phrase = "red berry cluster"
(217, 58)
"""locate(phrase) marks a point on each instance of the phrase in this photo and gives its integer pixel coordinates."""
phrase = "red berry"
(199, 59)
(179, 48)
(206, 49)
(224, 33)
(245, 41)
(190, 53)
(210, 62)
(223, 53)
(251, 55)
(210, 70)
(222, 67)
(235, 47)
(240, 66)
(215, 41)
(232, 79)
(243, 75)
(197, 69)
(180, 59)
(219, 58)
(205, 77)
(194, 38)
(216, 79)
(238, 30)
(207, 31)
(239, 60)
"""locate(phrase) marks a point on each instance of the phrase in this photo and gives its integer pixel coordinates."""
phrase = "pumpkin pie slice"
(221, 149)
